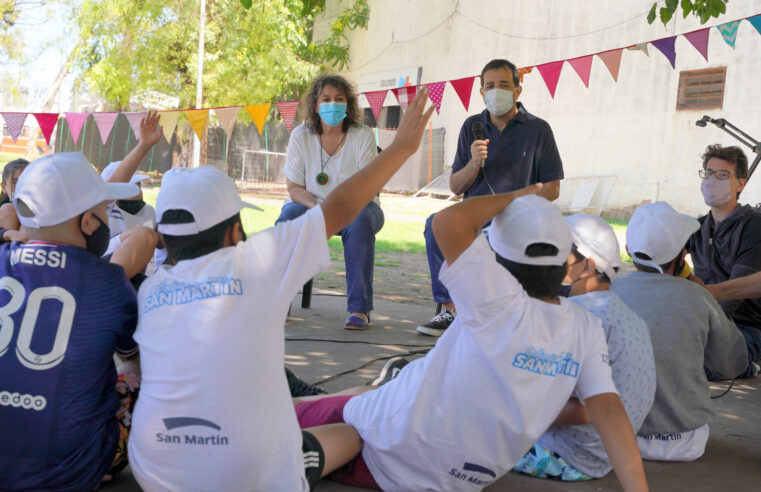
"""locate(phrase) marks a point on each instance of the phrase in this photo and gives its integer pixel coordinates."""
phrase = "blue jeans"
(359, 252)
(435, 260)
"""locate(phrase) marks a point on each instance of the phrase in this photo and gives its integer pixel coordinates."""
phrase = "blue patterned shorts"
(540, 462)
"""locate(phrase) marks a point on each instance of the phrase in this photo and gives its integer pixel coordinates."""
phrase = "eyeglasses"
(721, 174)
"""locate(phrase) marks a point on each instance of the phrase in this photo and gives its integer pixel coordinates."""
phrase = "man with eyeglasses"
(728, 243)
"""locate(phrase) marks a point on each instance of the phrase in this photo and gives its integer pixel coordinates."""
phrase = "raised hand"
(150, 131)
(411, 128)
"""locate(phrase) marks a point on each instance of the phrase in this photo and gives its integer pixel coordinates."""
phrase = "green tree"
(702, 9)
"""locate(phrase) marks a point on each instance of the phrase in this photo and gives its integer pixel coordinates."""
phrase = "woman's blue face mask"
(332, 113)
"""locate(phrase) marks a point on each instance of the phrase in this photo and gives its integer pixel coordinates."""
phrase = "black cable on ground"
(731, 383)
(385, 357)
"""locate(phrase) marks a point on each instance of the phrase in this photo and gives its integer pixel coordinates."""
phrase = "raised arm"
(457, 226)
(150, 134)
(612, 423)
(345, 202)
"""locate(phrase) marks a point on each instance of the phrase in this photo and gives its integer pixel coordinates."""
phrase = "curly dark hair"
(353, 113)
(732, 154)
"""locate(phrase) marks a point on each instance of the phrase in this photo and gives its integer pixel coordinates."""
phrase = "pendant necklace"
(322, 178)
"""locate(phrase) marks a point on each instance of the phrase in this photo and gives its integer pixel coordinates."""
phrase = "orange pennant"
(198, 119)
(258, 113)
(612, 60)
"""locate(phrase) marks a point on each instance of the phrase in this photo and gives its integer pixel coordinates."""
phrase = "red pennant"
(612, 60)
(47, 122)
(405, 95)
(699, 39)
(15, 123)
(463, 88)
(551, 74)
(582, 65)
(435, 93)
(76, 121)
(376, 98)
(288, 112)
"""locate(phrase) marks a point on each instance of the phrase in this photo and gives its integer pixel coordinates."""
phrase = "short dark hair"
(180, 248)
(649, 269)
(353, 113)
(498, 63)
(10, 169)
(732, 154)
(602, 276)
(537, 280)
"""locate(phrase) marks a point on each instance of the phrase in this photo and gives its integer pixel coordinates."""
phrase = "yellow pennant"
(168, 122)
(198, 119)
(258, 113)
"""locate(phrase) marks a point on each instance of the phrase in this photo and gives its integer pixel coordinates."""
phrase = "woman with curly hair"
(327, 149)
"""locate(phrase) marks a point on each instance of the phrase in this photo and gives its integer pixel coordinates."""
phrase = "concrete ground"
(733, 456)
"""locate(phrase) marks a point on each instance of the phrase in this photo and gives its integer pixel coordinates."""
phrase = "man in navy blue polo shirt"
(516, 149)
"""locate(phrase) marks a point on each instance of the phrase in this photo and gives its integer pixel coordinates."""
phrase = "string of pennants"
(463, 87)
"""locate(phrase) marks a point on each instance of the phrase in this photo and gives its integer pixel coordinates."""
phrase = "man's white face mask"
(498, 101)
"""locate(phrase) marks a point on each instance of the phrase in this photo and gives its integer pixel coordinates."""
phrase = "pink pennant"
(288, 112)
(699, 39)
(76, 121)
(15, 123)
(463, 88)
(551, 74)
(47, 122)
(612, 60)
(134, 119)
(405, 95)
(436, 92)
(376, 98)
(582, 65)
(105, 123)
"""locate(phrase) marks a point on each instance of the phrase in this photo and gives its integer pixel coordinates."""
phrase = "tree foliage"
(11, 37)
(702, 9)
(263, 53)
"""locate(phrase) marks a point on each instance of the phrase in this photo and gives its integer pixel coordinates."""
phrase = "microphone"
(478, 130)
(703, 121)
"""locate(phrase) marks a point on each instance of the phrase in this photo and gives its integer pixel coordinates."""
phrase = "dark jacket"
(730, 250)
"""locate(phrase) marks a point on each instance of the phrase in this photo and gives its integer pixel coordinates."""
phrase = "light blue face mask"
(332, 113)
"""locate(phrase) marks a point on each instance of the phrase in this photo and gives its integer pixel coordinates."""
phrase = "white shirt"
(462, 416)
(119, 221)
(303, 163)
(215, 412)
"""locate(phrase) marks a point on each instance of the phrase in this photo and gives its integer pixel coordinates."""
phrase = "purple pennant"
(666, 46)
(15, 123)
(699, 39)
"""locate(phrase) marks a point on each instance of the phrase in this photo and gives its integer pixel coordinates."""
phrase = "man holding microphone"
(502, 149)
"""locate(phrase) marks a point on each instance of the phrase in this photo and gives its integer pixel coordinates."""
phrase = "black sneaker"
(437, 325)
(390, 370)
(299, 387)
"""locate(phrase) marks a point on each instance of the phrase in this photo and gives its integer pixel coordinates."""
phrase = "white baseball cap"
(528, 220)
(658, 231)
(59, 187)
(594, 238)
(205, 192)
(108, 171)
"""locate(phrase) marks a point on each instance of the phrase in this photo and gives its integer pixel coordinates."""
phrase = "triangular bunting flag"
(551, 74)
(258, 113)
(375, 100)
(405, 95)
(582, 65)
(612, 60)
(198, 119)
(15, 123)
(729, 32)
(666, 46)
(105, 123)
(463, 88)
(227, 118)
(523, 71)
(168, 122)
(76, 121)
(756, 22)
(699, 39)
(288, 112)
(47, 122)
(134, 119)
(436, 92)
(639, 47)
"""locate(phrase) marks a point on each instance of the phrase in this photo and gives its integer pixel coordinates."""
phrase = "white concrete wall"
(630, 129)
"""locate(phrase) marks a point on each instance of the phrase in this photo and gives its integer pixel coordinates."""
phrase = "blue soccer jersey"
(63, 314)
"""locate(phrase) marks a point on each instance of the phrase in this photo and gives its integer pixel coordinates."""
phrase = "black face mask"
(97, 242)
(132, 207)
(565, 290)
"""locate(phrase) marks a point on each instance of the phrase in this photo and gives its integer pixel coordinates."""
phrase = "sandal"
(357, 323)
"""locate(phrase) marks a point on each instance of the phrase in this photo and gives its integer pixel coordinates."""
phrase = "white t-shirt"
(633, 368)
(119, 221)
(215, 412)
(681, 446)
(303, 164)
(462, 416)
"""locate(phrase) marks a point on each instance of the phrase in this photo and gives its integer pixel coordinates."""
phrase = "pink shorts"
(330, 410)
